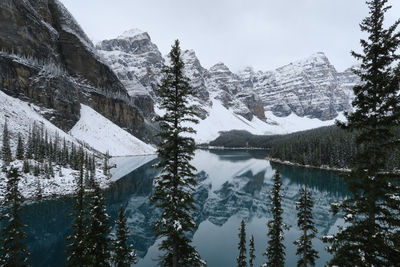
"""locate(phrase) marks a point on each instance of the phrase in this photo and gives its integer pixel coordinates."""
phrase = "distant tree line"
(326, 146)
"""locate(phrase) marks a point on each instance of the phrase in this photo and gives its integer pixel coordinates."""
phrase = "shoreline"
(230, 148)
(66, 189)
(289, 163)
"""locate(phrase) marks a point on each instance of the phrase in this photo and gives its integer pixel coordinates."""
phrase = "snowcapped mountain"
(47, 59)
(309, 89)
(58, 69)
(135, 59)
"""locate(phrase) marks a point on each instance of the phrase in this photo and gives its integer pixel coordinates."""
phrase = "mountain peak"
(134, 33)
(317, 57)
(220, 66)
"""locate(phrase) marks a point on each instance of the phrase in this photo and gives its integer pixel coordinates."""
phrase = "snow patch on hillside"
(294, 123)
(103, 135)
(222, 119)
(20, 117)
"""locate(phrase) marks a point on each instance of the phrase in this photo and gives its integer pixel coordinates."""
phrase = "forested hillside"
(325, 146)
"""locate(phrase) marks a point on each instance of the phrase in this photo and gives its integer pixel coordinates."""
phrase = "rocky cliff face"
(47, 59)
(310, 87)
(138, 63)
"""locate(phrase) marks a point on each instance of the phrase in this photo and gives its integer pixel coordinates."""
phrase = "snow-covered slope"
(222, 119)
(301, 95)
(103, 135)
(20, 116)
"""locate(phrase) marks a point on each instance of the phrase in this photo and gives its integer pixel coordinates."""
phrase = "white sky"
(265, 34)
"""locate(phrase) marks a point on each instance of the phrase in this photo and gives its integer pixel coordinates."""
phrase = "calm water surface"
(233, 185)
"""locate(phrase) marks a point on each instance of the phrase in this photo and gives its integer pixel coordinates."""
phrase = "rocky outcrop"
(197, 75)
(47, 59)
(227, 87)
(310, 87)
(138, 63)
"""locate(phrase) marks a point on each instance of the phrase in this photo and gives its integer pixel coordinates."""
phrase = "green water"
(232, 185)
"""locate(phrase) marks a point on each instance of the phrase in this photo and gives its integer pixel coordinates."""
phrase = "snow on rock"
(294, 123)
(222, 119)
(103, 135)
(132, 33)
(20, 117)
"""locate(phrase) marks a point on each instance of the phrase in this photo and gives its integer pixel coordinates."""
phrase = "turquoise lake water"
(233, 185)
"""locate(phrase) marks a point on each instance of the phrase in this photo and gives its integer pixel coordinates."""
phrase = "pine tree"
(77, 243)
(39, 191)
(276, 249)
(176, 183)
(30, 146)
(12, 249)
(51, 169)
(373, 209)
(36, 170)
(124, 255)
(6, 150)
(98, 229)
(252, 255)
(46, 171)
(20, 148)
(26, 166)
(64, 154)
(241, 259)
(306, 225)
(105, 165)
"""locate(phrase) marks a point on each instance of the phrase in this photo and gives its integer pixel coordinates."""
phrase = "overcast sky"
(265, 34)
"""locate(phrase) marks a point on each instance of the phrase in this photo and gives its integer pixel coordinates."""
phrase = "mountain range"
(47, 59)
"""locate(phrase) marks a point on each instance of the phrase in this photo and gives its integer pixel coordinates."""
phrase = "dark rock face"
(48, 60)
(26, 83)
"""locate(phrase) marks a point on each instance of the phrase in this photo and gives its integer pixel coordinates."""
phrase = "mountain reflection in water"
(233, 184)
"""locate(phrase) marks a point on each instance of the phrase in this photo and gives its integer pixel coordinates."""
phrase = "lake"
(233, 185)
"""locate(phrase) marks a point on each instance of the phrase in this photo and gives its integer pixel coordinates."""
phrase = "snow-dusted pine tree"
(176, 182)
(371, 235)
(12, 249)
(241, 259)
(26, 166)
(20, 148)
(252, 249)
(105, 164)
(123, 254)
(77, 243)
(306, 224)
(98, 230)
(275, 252)
(6, 150)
